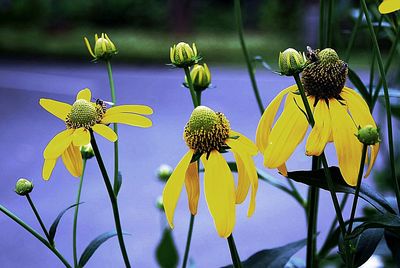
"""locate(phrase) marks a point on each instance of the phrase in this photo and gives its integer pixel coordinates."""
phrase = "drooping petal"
(56, 108)
(268, 117)
(89, 47)
(105, 131)
(358, 108)
(389, 6)
(72, 159)
(245, 142)
(243, 181)
(283, 170)
(84, 94)
(374, 149)
(321, 131)
(81, 137)
(286, 134)
(137, 109)
(173, 187)
(129, 119)
(219, 189)
(192, 184)
(58, 144)
(348, 148)
(48, 167)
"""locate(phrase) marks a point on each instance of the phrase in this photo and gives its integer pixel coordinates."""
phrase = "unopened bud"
(291, 62)
(87, 151)
(368, 135)
(104, 48)
(182, 55)
(160, 203)
(164, 172)
(23, 186)
(201, 77)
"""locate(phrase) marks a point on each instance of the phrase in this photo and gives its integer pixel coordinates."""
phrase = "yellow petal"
(348, 148)
(283, 170)
(58, 144)
(244, 141)
(173, 187)
(84, 94)
(243, 181)
(268, 117)
(219, 190)
(129, 119)
(321, 131)
(48, 167)
(192, 187)
(374, 152)
(89, 47)
(72, 159)
(358, 108)
(389, 6)
(81, 137)
(56, 108)
(287, 133)
(137, 109)
(105, 131)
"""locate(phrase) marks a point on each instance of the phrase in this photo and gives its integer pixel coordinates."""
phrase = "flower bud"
(164, 172)
(291, 62)
(160, 203)
(23, 186)
(182, 55)
(368, 135)
(104, 48)
(87, 151)
(201, 77)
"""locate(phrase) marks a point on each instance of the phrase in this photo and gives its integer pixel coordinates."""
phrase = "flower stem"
(387, 101)
(75, 224)
(239, 25)
(113, 199)
(329, 24)
(35, 234)
(353, 37)
(190, 83)
(115, 126)
(234, 254)
(39, 219)
(188, 240)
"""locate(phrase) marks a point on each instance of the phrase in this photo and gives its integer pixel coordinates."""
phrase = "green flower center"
(206, 130)
(84, 114)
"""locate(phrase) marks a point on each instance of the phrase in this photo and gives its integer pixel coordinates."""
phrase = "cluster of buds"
(104, 48)
(291, 62)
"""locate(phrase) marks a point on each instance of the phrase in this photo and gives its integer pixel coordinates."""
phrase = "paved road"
(26, 129)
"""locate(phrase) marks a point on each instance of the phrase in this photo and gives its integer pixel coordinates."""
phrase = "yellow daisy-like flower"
(338, 112)
(80, 118)
(207, 135)
(389, 6)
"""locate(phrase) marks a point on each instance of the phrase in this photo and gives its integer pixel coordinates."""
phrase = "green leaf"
(393, 243)
(388, 221)
(119, 183)
(94, 245)
(53, 227)
(166, 252)
(275, 257)
(366, 245)
(317, 178)
(355, 79)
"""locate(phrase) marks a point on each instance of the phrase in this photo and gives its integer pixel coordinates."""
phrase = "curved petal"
(137, 109)
(48, 167)
(389, 6)
(192, 184)
(244, 141)
(129, 119)
(283, 170)
(219, 189)
(374, 149)
(321, 131)
(56, 108)
(58, 144)
(348, 148)
(243, 184)
(72, 159)
(105, 131)
(84, 94)
(358, 108)
(81, 137)
(173, 187)
(268, 117)
(287, 133)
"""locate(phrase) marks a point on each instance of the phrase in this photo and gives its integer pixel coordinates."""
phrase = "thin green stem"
(198, 94)
(321, 41)
(75, 224)
(371, 79)
(234, 253)
(35, 234)
(387, 101)
(113, 200)
(357, 192)
(329, 24)
(188, 240)
(39, 219)
(239, 25)
(353, 37)
(115, 126)
(191, 88)
(295, 193)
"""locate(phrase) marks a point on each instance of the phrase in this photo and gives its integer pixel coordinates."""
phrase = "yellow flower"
(104, 48)
(388, 6)
(182, 55)
(80, 118)
(207, 135)
(338, 112)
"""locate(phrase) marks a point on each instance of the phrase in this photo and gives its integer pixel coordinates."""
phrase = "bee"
(103, 104)
(312, 55)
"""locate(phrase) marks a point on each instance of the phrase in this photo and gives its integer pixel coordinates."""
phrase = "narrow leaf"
(388, 221)
(166, 252)
(366, 245)
(393, 243)
(356, 80)
(53, 227)
(119, 183)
